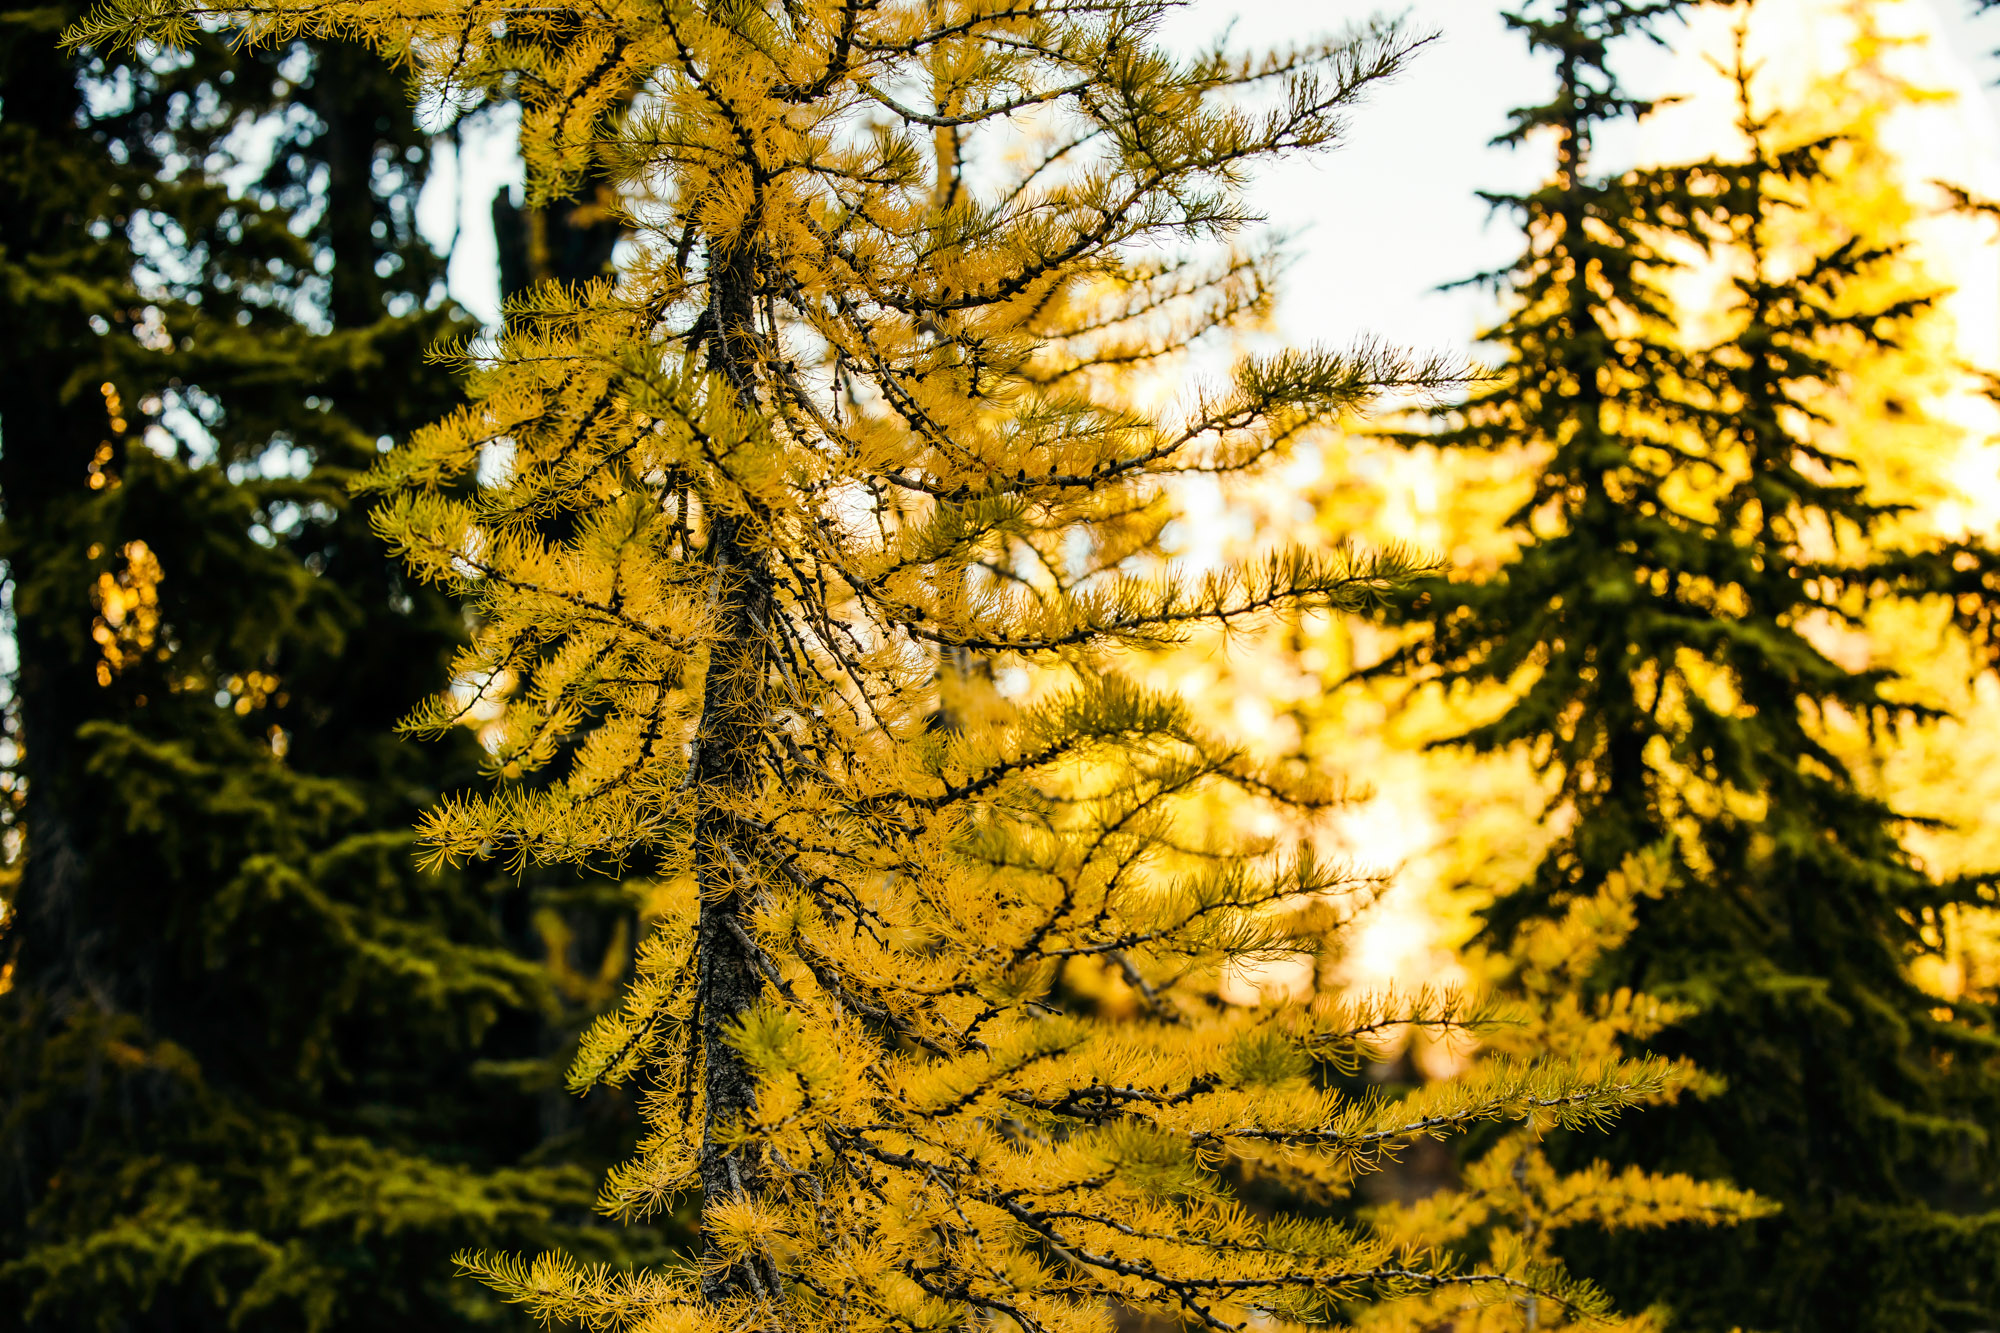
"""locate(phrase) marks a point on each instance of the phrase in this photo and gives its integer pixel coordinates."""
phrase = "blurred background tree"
(1672, 645)
(255, 1068)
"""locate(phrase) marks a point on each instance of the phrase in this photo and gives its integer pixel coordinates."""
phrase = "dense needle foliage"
(801, 561)
(256, 1071)
(1515, 1197)
(1661, 637)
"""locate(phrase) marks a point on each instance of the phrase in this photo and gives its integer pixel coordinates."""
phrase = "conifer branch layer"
(859, 409)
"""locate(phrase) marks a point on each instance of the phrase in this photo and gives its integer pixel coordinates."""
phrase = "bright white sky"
(1377, 225)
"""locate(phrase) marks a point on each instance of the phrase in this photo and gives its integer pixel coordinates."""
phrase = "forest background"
(317, 1073)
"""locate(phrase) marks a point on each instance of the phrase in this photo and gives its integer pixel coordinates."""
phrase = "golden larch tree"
(802, 556)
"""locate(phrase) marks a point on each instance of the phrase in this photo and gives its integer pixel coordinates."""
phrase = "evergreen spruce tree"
(852, 410)
(1653, 641)
(256, 1071)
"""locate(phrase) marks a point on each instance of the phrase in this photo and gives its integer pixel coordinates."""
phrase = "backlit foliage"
(128, 610)
(1679, 640)
(1513, 1202)
(765, 526)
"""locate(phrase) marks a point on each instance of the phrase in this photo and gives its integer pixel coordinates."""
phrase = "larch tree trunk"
(725, 768)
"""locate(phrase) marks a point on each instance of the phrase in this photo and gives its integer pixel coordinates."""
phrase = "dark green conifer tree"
(256, 1071)
(1687, 524)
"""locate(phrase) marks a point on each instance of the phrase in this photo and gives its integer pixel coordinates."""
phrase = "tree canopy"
(802, 556)
(255, 1068)
(823, 714)
(1660, 639)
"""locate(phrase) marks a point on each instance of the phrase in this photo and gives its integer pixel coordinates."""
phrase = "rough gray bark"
(732, 728)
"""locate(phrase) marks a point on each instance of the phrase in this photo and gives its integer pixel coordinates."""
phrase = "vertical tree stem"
(734, 709)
